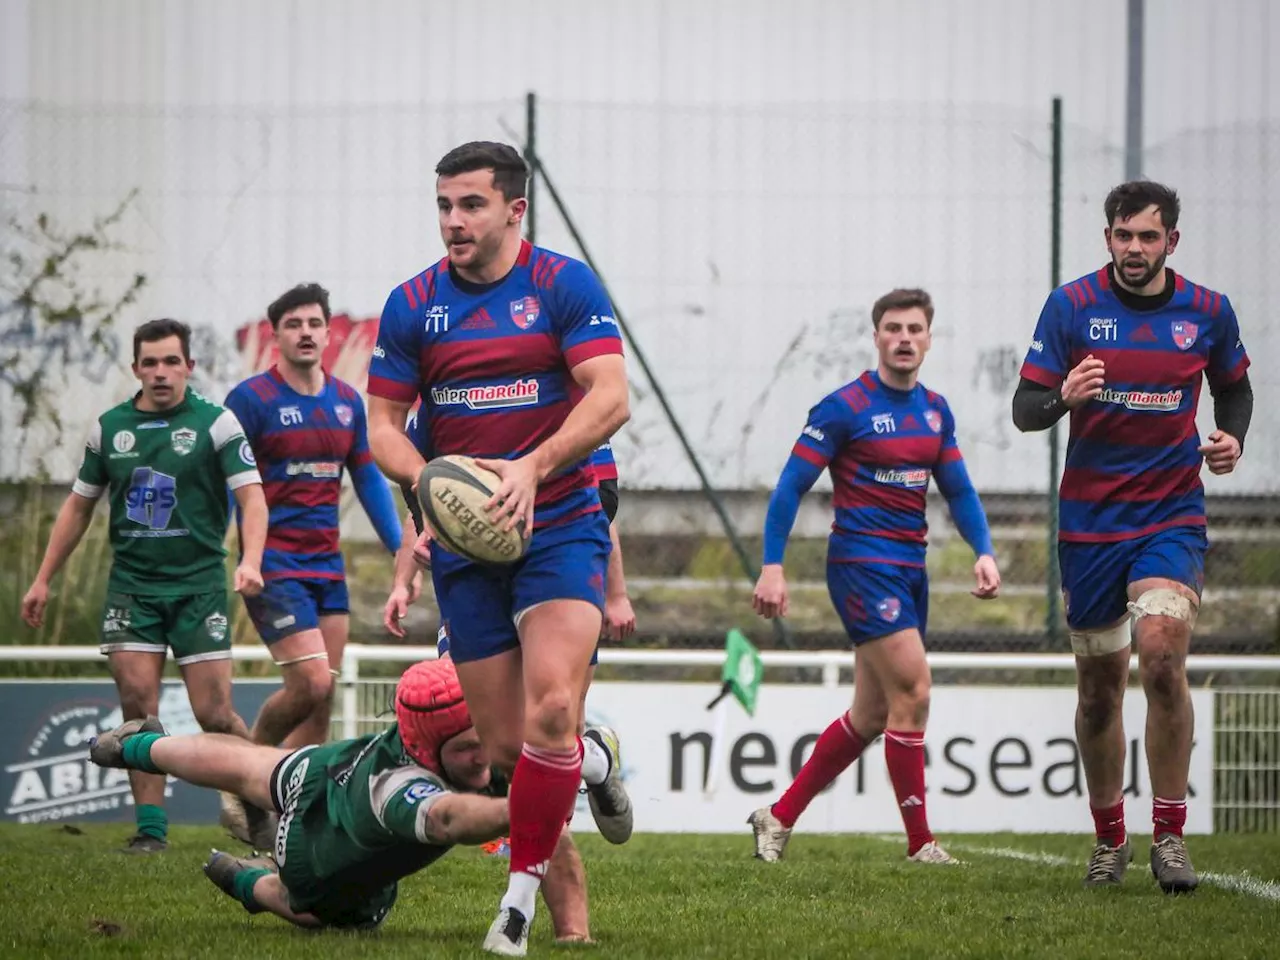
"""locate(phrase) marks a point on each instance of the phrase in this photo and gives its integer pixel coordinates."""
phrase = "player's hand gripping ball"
(453, 491)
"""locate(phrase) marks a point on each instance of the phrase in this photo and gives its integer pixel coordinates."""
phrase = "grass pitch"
(68, 894)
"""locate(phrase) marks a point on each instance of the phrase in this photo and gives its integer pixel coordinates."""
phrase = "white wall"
(749, 180)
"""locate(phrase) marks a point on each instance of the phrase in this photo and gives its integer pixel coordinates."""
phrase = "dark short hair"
(1136, 195)
(302, 295)
(902, 299)
(510, 172)
(154, 330)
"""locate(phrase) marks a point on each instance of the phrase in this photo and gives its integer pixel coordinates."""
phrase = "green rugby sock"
(242, 887)
(152, 820)
(137, 752)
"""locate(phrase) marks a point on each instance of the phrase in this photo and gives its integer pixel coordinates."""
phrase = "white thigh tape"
(302, 659)
(1101, 641)
(1164, 602)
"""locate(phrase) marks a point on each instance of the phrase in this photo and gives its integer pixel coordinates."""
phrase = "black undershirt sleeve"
(1233, 408)
(415, 508)
(1036, 407)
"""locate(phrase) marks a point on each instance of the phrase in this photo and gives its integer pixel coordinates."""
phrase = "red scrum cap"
(430, 709)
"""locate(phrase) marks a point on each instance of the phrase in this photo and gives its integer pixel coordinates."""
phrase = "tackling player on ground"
(356, 816)
(165, 459)
(499, 339)
(1124, 350)
(883, 436)
(306, 427)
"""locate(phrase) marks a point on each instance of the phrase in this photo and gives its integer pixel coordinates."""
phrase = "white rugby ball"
(453, 491)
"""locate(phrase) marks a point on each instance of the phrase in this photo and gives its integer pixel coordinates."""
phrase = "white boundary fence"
(1003, 752)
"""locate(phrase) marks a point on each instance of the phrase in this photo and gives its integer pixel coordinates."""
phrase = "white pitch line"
(1234, 882)
(1243, 883)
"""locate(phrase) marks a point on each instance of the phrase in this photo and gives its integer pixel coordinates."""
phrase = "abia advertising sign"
(45, 726)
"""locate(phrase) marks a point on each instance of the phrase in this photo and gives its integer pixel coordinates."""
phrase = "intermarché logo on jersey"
(906, 478)
(521, 393)
(1142, 399)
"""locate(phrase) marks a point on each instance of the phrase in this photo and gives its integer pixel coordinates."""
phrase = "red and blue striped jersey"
(603, 463)
(1132, 466)
(883, 447)
(492, 363)
(302, 443)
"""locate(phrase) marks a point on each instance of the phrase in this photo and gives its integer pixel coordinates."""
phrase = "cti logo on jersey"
(883, 423)
(1103, 328)
(290, 416)
(1184, 334)
(436, 320)
(524, 312)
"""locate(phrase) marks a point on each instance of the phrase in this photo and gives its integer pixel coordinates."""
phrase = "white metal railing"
(829, 662)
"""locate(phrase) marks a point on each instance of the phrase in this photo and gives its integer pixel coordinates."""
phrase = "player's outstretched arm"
(393, 452)
(253, 538)
(619, 616)
(69, 528)
(375, 496)
(967, 514)
(466, 818)
(406, 582)
(770, 598)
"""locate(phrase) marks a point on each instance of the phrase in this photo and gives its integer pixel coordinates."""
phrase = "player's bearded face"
(465, 762)
(302, 335)
(163, 370)
(902, 339)
(474, 218)
(1139, 247)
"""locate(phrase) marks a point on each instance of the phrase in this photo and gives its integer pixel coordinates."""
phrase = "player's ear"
(1106, 235)
(1174, 237)
(516, 209)
(191, 365)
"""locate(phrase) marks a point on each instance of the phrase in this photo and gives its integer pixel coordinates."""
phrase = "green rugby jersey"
(166, 475)
(362, 806)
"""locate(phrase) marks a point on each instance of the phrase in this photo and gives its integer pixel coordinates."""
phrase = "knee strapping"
(1100, 641)
(1164, 602)
(302, 659)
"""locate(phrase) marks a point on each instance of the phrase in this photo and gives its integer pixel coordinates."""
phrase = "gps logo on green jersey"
(151, 498)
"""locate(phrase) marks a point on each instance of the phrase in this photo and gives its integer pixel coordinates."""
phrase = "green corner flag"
(743, 670)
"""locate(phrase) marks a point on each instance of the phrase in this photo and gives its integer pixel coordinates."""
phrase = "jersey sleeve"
(401, 799)
(359, 454)
(235, 455)
(92, 480)
(242, 402)
(829, 427)
(1228, 360)
(394, 372)
(949, 452)
(1049, 356)
(582, 316)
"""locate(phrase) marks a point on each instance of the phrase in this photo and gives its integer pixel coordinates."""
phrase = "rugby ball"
(453, 491)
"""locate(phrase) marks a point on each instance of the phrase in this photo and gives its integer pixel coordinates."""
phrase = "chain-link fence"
(746, 244)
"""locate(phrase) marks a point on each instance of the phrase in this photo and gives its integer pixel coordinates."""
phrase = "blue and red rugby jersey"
(603, 463)
(302, 444)
(1132, 465)
(883, 447)
(491, 363)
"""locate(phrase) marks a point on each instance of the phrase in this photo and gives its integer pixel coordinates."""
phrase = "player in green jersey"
(164, 459)
(356, 816)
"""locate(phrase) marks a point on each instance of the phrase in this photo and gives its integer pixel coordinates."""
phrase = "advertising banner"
(999, 759)
(45, 726)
